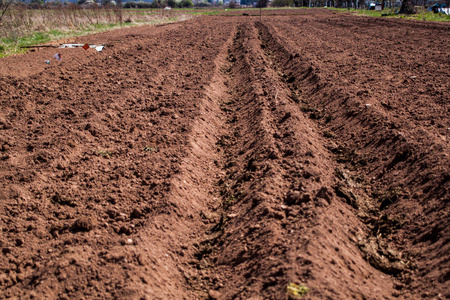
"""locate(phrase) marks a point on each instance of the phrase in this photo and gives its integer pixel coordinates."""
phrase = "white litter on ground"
(96, 47)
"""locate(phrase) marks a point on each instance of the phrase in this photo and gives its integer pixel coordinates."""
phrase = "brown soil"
(228, 158)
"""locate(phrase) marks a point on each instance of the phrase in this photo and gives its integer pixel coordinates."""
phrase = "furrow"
(282, 216)
(382, 167)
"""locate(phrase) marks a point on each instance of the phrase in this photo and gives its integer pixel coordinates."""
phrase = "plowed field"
(230, 157)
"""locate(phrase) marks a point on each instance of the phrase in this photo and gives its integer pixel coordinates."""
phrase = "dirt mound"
(224, 157)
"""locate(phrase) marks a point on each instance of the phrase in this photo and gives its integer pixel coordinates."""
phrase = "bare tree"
(118, 10)
(262, 3)
(4, 5)
(407, 7)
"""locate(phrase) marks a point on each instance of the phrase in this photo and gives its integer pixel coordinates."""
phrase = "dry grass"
(22, 26)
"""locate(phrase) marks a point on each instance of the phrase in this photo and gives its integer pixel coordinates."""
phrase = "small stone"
(112, 213)
(136, 213)
(321, 202)
(231, 216)
(276, 215)
(395, 294)
(82, 224)
(266, 211)
(306, 198)
(125, 230)
(367, 105)
(255, 226)
(215, 295)
(273, 155)
(129, 241)
(142, 260)
(62, 277)
(325, 193)
(332, 146)
(5, 147)
(292, 197)
(120, 218)
(258, 198)
(398, 285)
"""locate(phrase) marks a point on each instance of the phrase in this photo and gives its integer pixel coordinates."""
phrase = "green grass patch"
(13, 44)
(150, 149)
(297, 291)
(105, 26)
(421, 15)
(103, 153)
(199, 11)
